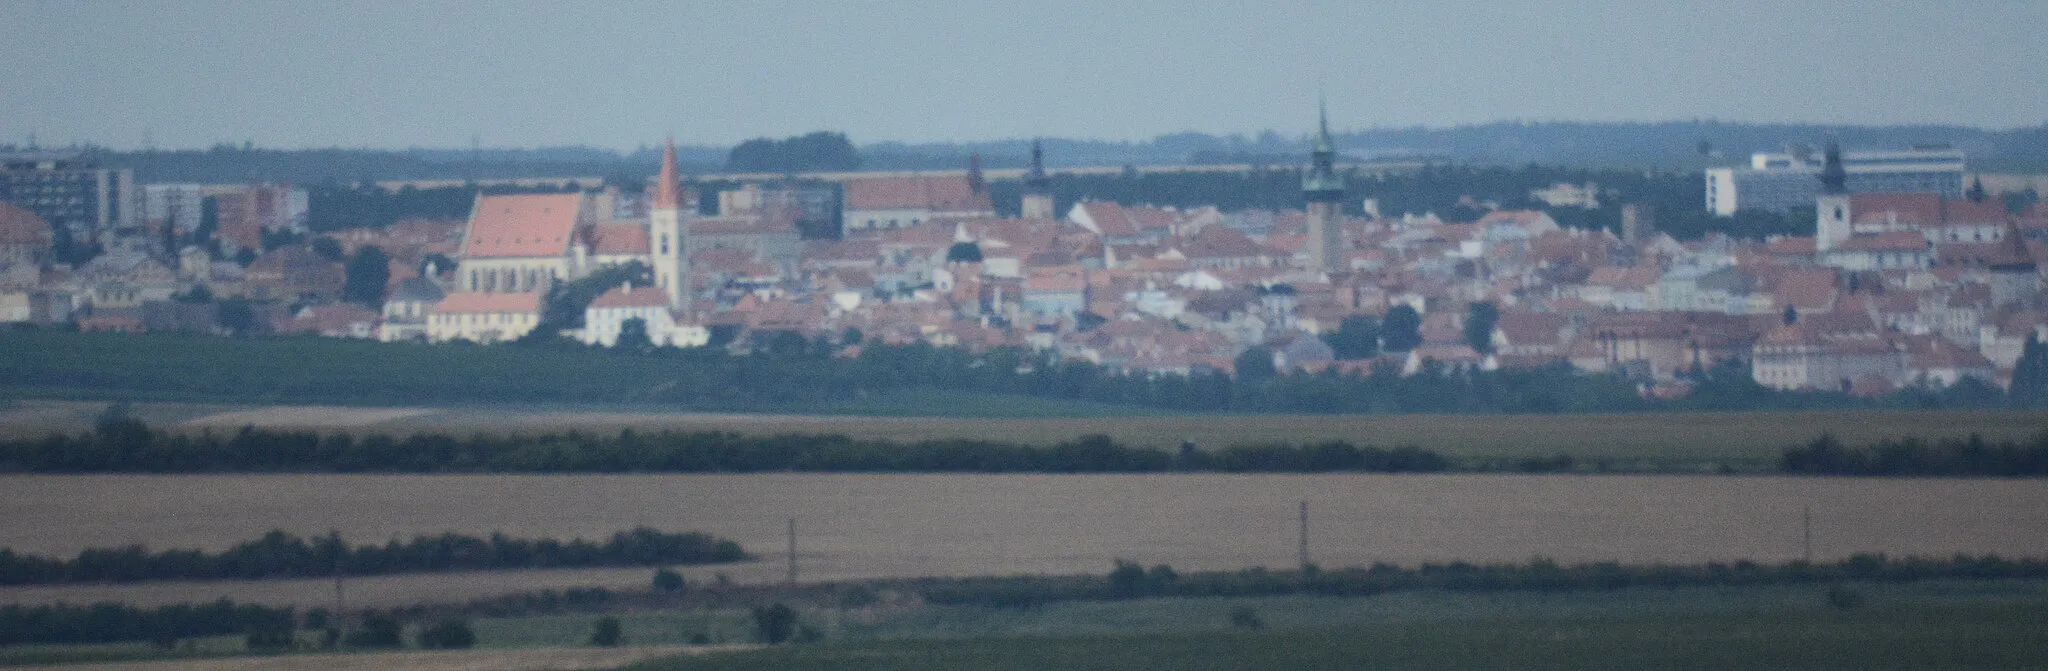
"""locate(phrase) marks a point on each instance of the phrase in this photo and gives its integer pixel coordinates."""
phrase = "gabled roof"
(1889, 241)
(934, 193)
(522, 226)
(1915, 208)
(417, 289)
(620, 239)
(22, 227)
(470, 303)
(636, 297)
(1217, 242)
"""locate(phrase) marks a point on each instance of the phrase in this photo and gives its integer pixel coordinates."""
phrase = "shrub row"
(128, 446)
(282, 555)
(1913, 456)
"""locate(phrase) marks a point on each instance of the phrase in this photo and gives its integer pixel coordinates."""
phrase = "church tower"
(1323, 188)
(665, 233)
(1831, 208)
(1037, 188)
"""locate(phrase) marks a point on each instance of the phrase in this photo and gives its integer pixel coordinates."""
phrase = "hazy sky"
(620, 74)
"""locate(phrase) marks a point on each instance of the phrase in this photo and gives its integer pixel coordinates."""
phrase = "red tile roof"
(621, 239)
(522, 226)
(934, 193)
(22, 227)
(464, 303)
(1916, 208)
(1890, 241)
(637, 297)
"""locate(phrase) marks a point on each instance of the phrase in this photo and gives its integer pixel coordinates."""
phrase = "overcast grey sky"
(622, 74)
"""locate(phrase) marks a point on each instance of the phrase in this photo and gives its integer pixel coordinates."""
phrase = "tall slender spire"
(1322, 182)
(1035, 180)
(666, 194)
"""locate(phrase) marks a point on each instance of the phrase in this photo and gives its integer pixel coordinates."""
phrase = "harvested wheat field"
(874, 526)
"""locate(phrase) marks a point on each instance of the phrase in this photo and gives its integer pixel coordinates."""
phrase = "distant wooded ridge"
(1682, 145)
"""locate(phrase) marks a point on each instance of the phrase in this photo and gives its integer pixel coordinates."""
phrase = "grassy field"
(1941, 624)
(1911, 627)
(1626, 441)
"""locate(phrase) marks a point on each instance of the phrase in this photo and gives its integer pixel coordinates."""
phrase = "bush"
(450, 634)
(667, 582)
(269, 637)
(1244, 617)
(606, 633)
(378, 631)
(774, 624)
(1844, 598)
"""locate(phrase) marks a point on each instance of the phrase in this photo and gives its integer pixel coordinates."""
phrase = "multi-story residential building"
(1780, 181)
(69, 191)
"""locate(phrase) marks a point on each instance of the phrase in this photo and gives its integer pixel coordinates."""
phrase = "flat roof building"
(1780, 181)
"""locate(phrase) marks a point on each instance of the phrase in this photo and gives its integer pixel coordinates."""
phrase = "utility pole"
(339, 620)
(1304, 535)
(1806, 520)
(792, 550)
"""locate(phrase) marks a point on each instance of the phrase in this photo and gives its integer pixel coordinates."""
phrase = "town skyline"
(385, 75)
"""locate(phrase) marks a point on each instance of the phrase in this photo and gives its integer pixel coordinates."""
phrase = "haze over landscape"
(621, 75)
(1023, 335)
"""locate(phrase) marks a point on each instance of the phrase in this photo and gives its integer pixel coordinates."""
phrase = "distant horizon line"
(1301, 137)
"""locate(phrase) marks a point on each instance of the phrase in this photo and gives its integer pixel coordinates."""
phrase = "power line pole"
(1806, 520)
(1304, 535)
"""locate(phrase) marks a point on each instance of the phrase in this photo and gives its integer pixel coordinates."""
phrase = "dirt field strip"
(539, 659)
(307, 416)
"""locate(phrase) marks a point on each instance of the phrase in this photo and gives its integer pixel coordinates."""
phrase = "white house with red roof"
(882, 203)
(524, 243)
(608, 314)
(484, 317)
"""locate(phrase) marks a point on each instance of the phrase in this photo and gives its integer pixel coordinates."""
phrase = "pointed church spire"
(1323, 143)
(667, 185)
(1322, 181)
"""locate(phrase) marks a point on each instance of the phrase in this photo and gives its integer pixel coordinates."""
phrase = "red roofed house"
(880, 203)
(24, 237)
(524, 243)
(484, 317)
(617, 244)
(608, 314)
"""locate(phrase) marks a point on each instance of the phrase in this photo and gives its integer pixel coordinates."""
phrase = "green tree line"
(128, 446)
(112, 622)
(1913, 456)
(283, 555)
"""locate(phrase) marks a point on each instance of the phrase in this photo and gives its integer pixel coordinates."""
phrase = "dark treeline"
(112, 622)
(1913, 456)
(282, 555)
(127, 446)
(1130, 580)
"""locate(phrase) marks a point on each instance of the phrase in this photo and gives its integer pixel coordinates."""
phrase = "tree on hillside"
(633, 336)
(1255, 365)
(368, 271)
(327, 247)
(1480, 318)
(1401, 330)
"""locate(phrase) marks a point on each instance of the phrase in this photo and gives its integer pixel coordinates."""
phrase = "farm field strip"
(875, 526)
